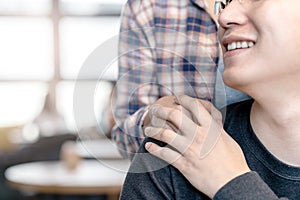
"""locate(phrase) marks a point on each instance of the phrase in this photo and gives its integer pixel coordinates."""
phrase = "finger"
(213, 125)
(162, 123)
(197, 110)
(176, 117)
(201, 110)
(168, 155)
(178, 142)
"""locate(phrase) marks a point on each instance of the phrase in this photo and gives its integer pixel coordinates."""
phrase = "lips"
(231, 42)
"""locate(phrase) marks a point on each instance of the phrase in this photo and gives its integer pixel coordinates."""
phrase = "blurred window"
(25, 7)
(81, 36)
(21, 102)
(26, 48)
(91, 7)
(43, 46)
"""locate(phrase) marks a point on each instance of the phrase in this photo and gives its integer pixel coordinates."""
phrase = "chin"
(234, 81)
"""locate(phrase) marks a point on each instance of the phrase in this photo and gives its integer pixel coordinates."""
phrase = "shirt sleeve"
(247, 186)
(136, 87)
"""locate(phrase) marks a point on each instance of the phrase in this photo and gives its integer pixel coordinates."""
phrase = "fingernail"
(148, 145)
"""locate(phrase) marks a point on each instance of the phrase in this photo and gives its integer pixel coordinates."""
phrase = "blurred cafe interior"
(45, 153)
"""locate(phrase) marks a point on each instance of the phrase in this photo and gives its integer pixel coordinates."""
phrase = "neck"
(275, 120)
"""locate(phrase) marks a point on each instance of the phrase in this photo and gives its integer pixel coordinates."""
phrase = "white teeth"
(244, 45)
(239, 45)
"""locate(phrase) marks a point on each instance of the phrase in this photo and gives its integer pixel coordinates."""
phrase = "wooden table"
(91, 177)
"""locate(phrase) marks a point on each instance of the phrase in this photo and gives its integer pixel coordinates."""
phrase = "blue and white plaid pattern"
(166, 47)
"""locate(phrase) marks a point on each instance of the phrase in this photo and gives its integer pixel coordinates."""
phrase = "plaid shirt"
(166, 47)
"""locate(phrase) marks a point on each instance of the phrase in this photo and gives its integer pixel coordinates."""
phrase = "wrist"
(227, 179)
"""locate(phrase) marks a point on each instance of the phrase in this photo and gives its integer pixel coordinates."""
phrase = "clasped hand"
(197, 144)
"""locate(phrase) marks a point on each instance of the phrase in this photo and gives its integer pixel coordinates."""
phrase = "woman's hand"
(201, 150)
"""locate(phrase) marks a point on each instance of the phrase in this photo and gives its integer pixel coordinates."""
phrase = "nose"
(232, 15)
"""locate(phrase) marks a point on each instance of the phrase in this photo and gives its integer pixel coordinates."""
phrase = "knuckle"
(218, 114)
(194, 102)
(158, 122)
(209, 106)
(163, 135)
(174, 113)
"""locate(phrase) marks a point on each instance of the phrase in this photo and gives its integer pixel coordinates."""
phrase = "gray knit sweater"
(270, 179)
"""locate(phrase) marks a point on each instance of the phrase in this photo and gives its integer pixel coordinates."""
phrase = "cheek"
(281, 53)
(251, 71)
(282, 32)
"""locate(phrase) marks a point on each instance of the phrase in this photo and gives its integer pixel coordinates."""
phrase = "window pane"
(28, 7)
(81, 36)
(101, 107)
(21, 102)
(91, 7)
(26, 48)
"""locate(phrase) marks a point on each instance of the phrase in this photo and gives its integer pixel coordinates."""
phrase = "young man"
(255, 155)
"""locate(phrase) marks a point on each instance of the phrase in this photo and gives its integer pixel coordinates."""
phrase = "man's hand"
(168, 102)
(202, 151)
